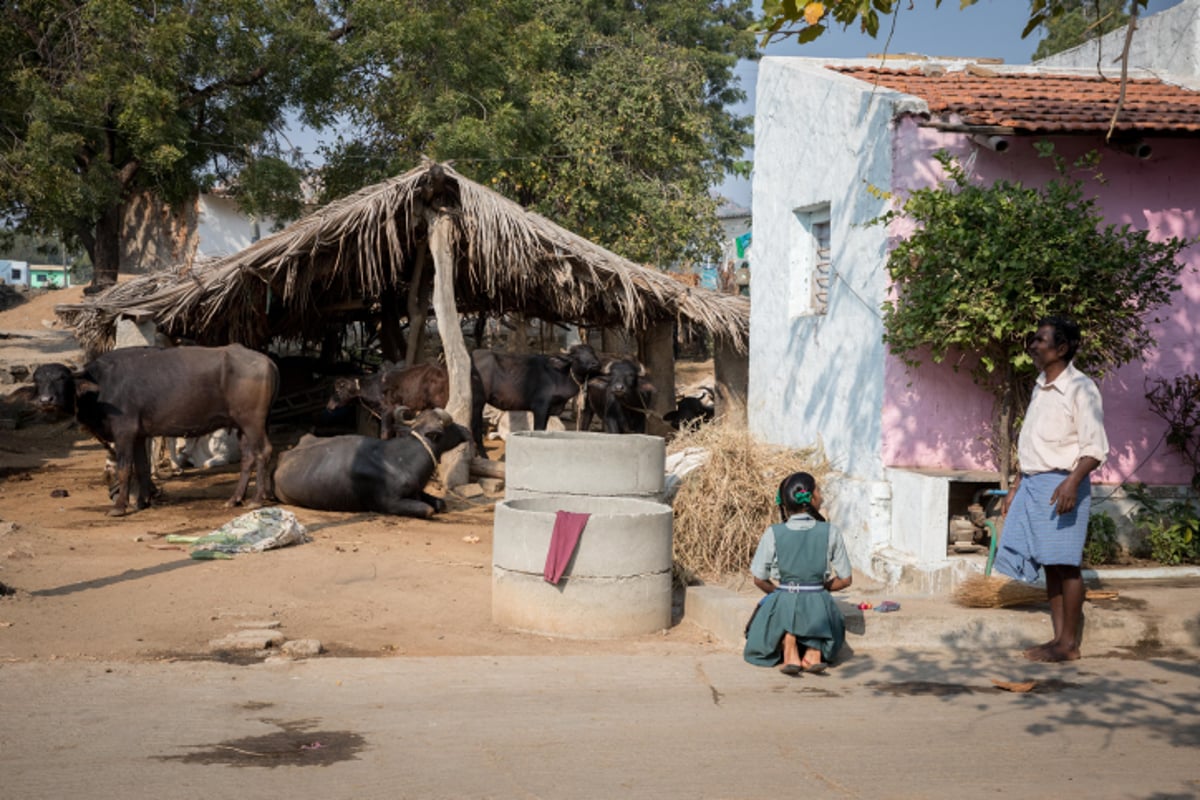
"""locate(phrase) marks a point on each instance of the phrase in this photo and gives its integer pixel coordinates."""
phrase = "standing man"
(1062, 441)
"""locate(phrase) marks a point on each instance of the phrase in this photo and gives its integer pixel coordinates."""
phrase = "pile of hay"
(723, 507)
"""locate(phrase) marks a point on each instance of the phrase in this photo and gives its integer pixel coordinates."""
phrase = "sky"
(988, 29)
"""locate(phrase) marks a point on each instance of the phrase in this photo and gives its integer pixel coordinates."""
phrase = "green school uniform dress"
(801, 605)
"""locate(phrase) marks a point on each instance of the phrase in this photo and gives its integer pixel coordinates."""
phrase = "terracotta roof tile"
(1040, 102)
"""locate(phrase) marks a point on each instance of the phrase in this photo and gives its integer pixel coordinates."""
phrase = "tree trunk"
(455, 465)
(105, 249)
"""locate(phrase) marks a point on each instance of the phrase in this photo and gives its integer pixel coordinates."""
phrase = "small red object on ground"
(864, 606)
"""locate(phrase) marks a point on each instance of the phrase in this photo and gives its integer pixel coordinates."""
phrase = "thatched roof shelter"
(363, 254)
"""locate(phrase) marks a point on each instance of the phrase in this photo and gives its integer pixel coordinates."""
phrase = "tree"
(1082, 21)
(101, 100)
(986, 262)
(808, 19)
(609, 118)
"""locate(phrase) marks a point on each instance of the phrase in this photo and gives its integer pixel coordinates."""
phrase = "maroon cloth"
(567, 528)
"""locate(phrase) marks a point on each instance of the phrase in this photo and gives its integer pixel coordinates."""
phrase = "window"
(809, 263)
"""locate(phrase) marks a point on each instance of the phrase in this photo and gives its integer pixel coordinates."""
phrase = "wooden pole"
(418, 310)
(731, 370)
(455, 465)
(658, 355)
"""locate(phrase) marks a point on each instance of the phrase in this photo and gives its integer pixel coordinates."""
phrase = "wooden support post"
(418, 309)
(391, 336)
(731, 370)
(618, 342)
(657, 353)
(455, 465)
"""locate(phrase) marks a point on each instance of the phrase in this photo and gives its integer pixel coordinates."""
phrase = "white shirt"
(1064, 423)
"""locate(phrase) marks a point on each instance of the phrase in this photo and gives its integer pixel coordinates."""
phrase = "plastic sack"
(253, 532)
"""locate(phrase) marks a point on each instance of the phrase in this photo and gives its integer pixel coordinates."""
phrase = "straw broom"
(994, 591)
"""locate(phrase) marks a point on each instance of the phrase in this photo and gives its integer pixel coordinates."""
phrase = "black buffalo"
(416, 388)
(692, 410)
(621, 395)
(527, 382)
(128, 395)
(362, 473)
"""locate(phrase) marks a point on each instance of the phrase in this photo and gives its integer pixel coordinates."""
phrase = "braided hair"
(796, 495)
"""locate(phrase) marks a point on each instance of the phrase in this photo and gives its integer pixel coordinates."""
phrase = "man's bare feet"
(1037, 652)
(1053, 653)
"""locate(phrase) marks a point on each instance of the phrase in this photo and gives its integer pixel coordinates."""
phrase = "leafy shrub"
(1100, 547)
(1172, 527)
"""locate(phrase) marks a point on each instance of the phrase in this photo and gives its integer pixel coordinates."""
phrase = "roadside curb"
(1152, 618)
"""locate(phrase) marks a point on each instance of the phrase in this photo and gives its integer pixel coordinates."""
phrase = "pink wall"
(937, 418)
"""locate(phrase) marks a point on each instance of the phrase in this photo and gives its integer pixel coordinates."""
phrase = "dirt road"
(80, 584)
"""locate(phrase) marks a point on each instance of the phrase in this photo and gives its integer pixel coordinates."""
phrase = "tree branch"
(1133, 17)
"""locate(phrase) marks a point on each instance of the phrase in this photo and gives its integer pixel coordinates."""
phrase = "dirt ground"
(77, 584)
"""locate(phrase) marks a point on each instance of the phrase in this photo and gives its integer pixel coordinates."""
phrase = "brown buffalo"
(416, 388)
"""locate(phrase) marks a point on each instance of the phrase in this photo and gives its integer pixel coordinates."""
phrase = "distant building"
(14, 273)
(45, 276)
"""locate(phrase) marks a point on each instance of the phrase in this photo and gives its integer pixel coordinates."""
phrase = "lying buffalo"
(621, 395)
(417, 388)
(692, 411)
(527, 382)
(125, 396)
(362, 473)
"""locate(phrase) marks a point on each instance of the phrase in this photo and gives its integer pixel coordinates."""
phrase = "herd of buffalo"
(128, 396)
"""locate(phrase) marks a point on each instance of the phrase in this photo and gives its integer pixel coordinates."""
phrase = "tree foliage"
(986, 262)
(101, 100)
(807, 20)
(1081, 21)
(609, 118)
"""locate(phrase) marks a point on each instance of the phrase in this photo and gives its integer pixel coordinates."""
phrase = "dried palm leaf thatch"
(365, 250)
(997, 591)
(723, 507)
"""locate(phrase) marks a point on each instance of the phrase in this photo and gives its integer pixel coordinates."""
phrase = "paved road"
(887, 724)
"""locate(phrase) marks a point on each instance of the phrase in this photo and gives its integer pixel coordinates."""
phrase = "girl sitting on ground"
(799, 561)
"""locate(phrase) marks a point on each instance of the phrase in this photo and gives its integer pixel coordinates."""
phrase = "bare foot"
(1053, 653)
(1037, 652)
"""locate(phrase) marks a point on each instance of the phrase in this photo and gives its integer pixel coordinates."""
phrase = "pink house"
(833, 139)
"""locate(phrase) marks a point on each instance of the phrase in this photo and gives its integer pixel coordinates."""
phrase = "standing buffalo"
(417, 388)
(127, 395)
(361, 473)
(527, 382)
(621, 394)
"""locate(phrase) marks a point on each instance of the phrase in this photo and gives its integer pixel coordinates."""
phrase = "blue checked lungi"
(1035, 534)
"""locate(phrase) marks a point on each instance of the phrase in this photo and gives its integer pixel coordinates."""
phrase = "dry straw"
(723, 507)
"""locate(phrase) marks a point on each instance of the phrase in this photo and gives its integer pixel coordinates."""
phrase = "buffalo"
(417, 388)
(692, 410)
(621, 395)
(527, 382)
(125, 396)
(362, 473)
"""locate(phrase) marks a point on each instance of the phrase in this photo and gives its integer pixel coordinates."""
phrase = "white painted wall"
(223, 229)
(7, 268)
(822, 139)
(1166, 42)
